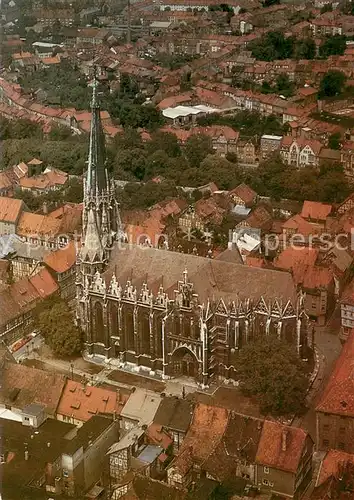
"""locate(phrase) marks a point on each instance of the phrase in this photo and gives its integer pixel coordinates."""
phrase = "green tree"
(333, 45)
(197, 148)
(164, 141)
(273, 372)
(59, 133)
(305, 49)
(56, 323)
(284, 85)
(74, 191)
(332, 83)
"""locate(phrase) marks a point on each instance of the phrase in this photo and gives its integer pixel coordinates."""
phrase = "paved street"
(329, 348)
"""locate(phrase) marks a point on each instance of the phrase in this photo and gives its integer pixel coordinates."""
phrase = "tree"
(332, 83)
(164, 141)
(55, 322)
(273, 372)
(197, 148)
(74, 192)
(59, 133)
(333, 45)
(284, 85)
(305, 49)
(334, 141)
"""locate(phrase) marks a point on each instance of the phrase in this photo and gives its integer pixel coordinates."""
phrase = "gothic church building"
(165, 312)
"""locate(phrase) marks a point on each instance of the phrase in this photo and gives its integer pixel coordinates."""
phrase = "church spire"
(96, 179)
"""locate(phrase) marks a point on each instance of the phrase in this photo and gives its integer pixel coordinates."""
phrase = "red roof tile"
(270, 451)
(206, 430)
(338, 396)
(81, 402)
(44, 283)
(331, 463)
(63, 259)
(315, 210)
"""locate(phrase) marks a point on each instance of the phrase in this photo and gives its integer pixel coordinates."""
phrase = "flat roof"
(273, 137)
(187, 110)
(150, 453)
(160, 24)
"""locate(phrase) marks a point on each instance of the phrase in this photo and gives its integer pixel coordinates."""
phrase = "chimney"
(26, 455)
(284, 435)
(45, 208)
(48, 444)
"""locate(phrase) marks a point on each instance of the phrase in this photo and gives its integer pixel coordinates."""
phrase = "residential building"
(284, 460)
(316, 213)
(18, 301)
(10, 212)
(139, 409)
(300, 152)
(270, 144)
(79, 402)
(83, 458)
(224, 445)
(315, 280)
(335, 410)
(243, 196)
(23, 386)
(62, 265)
(335, 475)
(175, 415)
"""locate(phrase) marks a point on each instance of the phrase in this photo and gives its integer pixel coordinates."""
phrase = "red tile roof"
(300, 225)
(270, 452)
(245, 193)
(63, 259)
(81, 402)
(206, 430)
(315, 210)
(302, 262)
(338, 396)
(10, 209)
(44, 283)
(331, 463)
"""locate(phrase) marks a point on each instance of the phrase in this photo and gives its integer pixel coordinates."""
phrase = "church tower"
(101, 223)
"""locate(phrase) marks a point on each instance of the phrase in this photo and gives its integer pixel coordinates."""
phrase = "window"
(65, 473)
(341, 430)
(341, 446)
(325, 442)
(265, 482)
(266, 470)
(326, 427)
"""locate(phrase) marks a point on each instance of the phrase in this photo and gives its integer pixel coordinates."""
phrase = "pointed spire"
(96, 180)
(92, 250)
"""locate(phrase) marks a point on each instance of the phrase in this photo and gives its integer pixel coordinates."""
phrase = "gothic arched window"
(99, 325)
(145, 334)
(129, 329)
(113, 310)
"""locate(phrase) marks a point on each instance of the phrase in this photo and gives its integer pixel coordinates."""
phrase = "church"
(167, 313)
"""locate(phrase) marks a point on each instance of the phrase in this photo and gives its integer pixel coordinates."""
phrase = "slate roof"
(174, 413)
(211, 278)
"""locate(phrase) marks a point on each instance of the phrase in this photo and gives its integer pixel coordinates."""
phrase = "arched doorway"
(184, 363)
